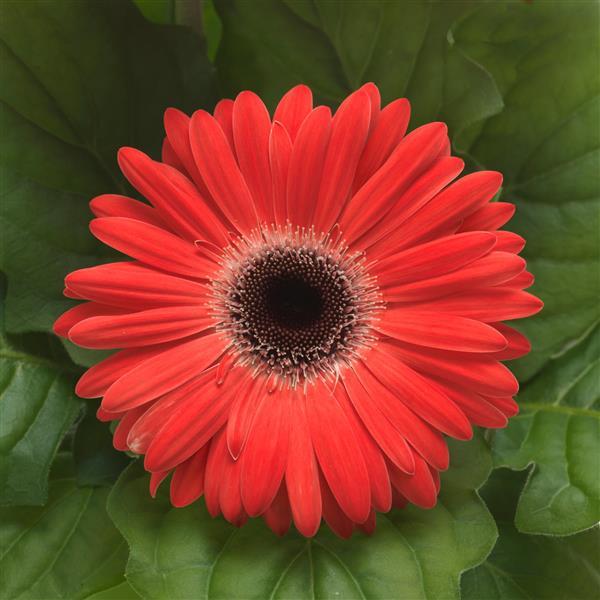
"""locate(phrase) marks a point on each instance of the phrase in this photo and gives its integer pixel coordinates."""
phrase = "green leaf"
(96, 461)
(546, 141)
(531, 567)
(558, 430)
(37, 406)
(183, 553)
(122, 591)
(335, 46)
(78, 79)
(66, 549)
(176, 12)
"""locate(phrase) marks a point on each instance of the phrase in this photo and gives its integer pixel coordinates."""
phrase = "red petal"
(143, 328)
(522, 281)
(187, 483)
(518, 344)
(334, 516)
(220, 171)
(78, 313)
(148, 426)
(478, 411)
(155, 480)
(420, 488)
(445, 212)
(97, 379)
(338, 453)
(230, 497)
(134, 286)
(113, 205)
(369, 525)
(488, 304)
(162, 373)
(124, 427)
(152, 245)
(389, 130)
(251, 129)
(280, 152)
(389, 439)
(177, 128)
(293, 108)
(242, 415)
(439, 330)
(378, 195)
(265, 456)
(372, 92)
(71, 294)
(420, 435)
(175, 197)
(433, 259)
(506, 405)
(278, 516)
(490, 270)
(507, 241)
(302, 475)
(349, 131)
(197, 419)
(381, 237)
(105, 416)
(169, 157)
(476, 372)
(223, 113)
(306, 166)
(381, 490)
(489, 217)
(416, 392)
(216, 465)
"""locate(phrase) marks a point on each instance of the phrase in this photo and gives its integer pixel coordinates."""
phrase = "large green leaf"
(96, 461)
(531, 567)
(37, 406)
(183, 553)
(335, 46)
(78, 79)
(66, 549)
(544, 57)
(558, 430)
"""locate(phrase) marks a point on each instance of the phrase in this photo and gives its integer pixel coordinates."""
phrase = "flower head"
(312, 304)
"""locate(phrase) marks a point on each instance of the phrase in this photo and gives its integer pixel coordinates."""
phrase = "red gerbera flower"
(311, 306)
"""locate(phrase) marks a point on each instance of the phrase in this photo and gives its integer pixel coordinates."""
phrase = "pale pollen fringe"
(297, 366)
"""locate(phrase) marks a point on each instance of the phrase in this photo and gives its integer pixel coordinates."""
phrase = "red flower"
(311, 306)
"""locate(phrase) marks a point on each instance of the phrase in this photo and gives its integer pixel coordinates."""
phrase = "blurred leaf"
(78, 79)
(558, 430)
(96, 461)
(183, 553)
(544, 57)
(531, 567)
(335, 46)
(66, 549)
(158, 11)
(122, 591)
(174, 12)
(37, 406)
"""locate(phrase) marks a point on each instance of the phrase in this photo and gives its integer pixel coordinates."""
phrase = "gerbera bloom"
(312, 304)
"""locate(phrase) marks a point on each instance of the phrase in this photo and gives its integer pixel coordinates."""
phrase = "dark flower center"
(293, 302)
(295, 309)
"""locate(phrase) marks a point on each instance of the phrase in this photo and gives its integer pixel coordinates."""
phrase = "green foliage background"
(517, 82)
